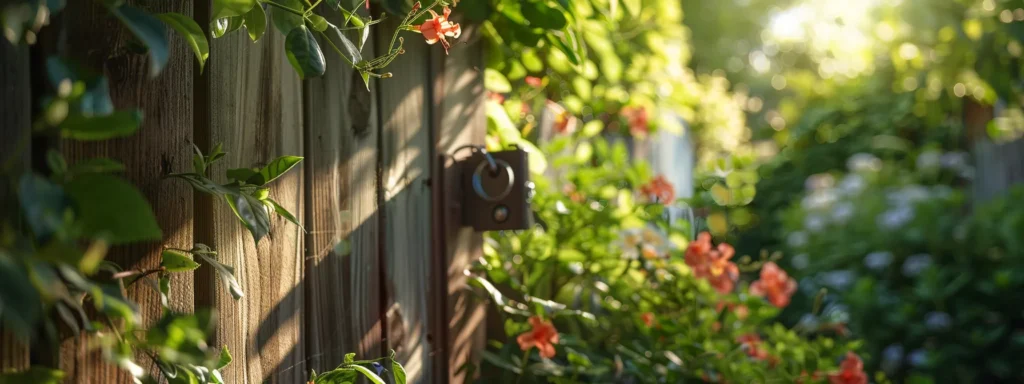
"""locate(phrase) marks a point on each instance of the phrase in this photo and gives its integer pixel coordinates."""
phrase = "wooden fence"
(381, 264)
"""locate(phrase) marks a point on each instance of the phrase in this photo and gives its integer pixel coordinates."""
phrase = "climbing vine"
(55, 280)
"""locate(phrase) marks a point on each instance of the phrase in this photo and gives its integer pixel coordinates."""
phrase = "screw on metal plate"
(496, 190)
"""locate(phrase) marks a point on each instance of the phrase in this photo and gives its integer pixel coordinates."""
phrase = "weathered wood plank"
(405, 160)
(342, 278)
(256, 113)
(161, 146)
(462, 121)
(15, 151)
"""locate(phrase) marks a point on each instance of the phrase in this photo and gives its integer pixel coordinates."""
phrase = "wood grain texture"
(15, 124)
(255, 103)
(161, 146)
(998, 166)
(342, 279)
(405, 108)
(462, 121)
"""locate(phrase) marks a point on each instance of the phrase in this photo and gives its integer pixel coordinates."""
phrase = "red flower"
(851, 371)
(660, 189)
(814, 377)
(534, 81)
(565, 122)
(497, 97)
(544, 336)
(752, 343)
(648, 319)
(438, 27)
(636, 117)
(713, 264)
(775, 284)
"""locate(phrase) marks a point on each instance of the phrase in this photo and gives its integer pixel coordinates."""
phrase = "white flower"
(954, 160)
(864, 162)
(819, 182)
(648, 242)
(839, 280)
(843, 212)
(878, 260)
(796, 239)
(576, 268)
(814, 223)
(818, 200)
(892, 358)
(800, 261)
(929, 160)
(852, 184)
(896, 217)
(918, 358)
(916, 264)
(938, 321)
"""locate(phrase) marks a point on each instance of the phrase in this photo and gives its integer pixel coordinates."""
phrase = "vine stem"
(284, 7)
(522, 365)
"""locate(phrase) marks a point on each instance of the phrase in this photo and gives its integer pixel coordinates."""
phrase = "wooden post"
(405, 160)
(255, 104)
(161, 146)
(460, 324)
(342, 281)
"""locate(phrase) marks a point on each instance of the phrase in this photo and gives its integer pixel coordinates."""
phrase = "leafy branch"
(350, 370)
(247, 194)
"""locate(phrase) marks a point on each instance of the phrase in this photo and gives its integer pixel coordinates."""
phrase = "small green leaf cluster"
(247, 194)
(351, 370)
(56, 282)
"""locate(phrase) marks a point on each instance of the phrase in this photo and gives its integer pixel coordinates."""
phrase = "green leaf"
(368, 373)
(225, 358)
(227, 275)
(43, 203)
(275, 169)
(251, 213)
(150, 31)
(541, 14)
(256, 22)
(304, 53)
(241, 174)
(192, 33)
(348, 49)
(316, 22)
(226, 8)
(34, 375)
(117, 124)
(286, 21)
(177, 261)
(349, 358)
(494, 81)
(96, 165)
(21, 301)
(112, 209)
(398, 371)
(56, 162)
(366, 78)
(284, 213)
(226, 25)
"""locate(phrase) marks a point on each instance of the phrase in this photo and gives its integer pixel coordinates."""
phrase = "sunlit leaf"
(177, 261)
(227, 8)
(256, 22)
(192, 33)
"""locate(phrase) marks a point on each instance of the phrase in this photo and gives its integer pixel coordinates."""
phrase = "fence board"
(405, 158)
(462, 121)
(160, 147)
(15, 127)
(342, 278)
(256, 113)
